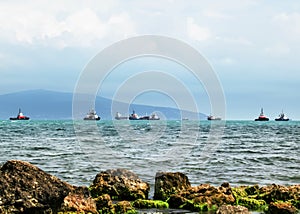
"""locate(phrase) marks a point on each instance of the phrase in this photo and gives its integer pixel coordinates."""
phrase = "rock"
(167, 183)
(120, 184)
(229, 209)
(177, 201)
(247, 196)
(281, 208)
(124, 207)
(257, 198)
(105, 204)
(80, 201)
(275, 192)
(123, 173)
(26, 188)
(202, 198)
(148, 204)
(252, 190)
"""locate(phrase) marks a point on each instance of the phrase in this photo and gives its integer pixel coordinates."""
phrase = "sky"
(253, 46)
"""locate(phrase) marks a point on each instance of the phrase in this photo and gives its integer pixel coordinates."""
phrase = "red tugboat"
(262, 117)
(20, 116)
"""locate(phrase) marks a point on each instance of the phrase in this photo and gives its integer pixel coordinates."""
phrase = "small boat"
(20, 116)
(262, 117)
(92, 115)
(154, 117)
(210, 117)
(120, 117)
(282, 117)
(134, 116)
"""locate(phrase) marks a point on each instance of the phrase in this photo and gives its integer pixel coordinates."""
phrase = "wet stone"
(120, 184)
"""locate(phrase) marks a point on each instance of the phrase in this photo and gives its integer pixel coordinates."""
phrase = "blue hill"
(43, 104)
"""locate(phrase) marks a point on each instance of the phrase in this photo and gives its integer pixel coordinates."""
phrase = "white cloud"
(235, 41)
(197, 32)
(215, 14)
(288, 24)
(79, 27)
(225, 61)
(228, 61)
(82, 28)
(277, 50)
(122, 25)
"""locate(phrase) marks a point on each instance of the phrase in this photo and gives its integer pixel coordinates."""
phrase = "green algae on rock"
(124, 207)
(246, 196)
(104, 204)
(24, 188)
(148, 204)
(260, 198)
(168, 183)
(202, 198)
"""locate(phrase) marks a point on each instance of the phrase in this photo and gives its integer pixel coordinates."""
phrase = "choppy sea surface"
(245, 153)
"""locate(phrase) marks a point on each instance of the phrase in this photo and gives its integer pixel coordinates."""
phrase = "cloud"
(227, 61)
(288, 24)
(277, 50)
(78, 27)
(197, 32)
(235, 41)
(122, 25)
(215, 14)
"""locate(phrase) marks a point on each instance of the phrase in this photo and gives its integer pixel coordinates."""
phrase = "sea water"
(244, 153)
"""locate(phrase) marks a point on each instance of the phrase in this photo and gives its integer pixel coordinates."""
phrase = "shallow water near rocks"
(247, 153)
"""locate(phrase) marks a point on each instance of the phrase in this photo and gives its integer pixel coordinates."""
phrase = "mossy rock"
(168, 183)
(198, 207)
(296, 203)
(252, 204)
(239, 192)
(120, 184)
(148, 204)
(176, 201)
(124, 207)
(247, 196)
(280, 207)
(275, 193)
(105, 204)
(252, 190)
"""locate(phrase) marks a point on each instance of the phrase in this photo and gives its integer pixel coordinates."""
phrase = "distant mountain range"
(43, 104)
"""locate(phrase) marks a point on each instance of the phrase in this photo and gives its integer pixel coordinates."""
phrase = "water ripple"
(248, 153)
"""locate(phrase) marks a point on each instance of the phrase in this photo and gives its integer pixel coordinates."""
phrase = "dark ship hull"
(280, 119)
(262, 119)
(17, 118)
(97, 118)
(20, 116)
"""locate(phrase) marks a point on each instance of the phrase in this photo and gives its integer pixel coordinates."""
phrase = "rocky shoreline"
(24, 188)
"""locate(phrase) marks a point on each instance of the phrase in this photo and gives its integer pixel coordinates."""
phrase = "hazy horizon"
(253, 47)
